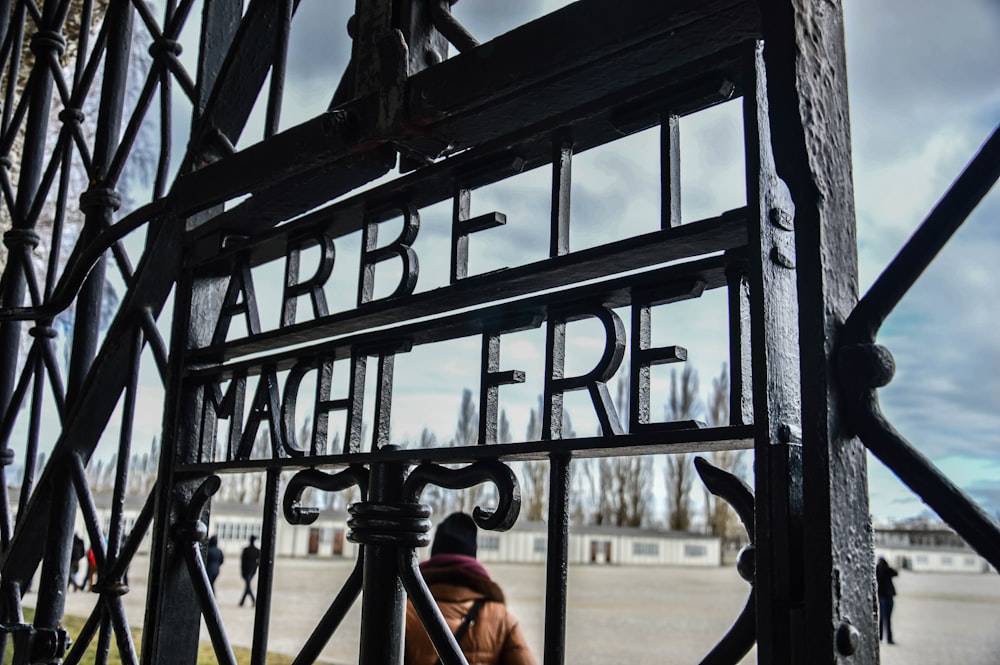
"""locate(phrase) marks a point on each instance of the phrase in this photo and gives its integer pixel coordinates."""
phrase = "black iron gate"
(577, 79)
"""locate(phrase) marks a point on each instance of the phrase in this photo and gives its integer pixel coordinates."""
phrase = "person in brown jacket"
(461, 586)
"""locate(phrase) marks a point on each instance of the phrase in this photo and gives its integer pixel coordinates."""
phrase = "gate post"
(383, 607)
(832, 619)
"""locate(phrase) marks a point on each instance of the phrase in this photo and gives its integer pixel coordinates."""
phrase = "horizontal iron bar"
(667, 441)
(326, 145)
(616, 292)
(628, 54)
(590, 50)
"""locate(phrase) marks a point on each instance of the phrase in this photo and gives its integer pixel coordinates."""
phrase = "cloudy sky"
(924, 84)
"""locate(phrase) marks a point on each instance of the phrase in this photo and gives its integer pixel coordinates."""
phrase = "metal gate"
(804, 365)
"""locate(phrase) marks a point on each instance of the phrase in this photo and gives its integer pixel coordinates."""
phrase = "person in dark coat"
(77, 554)
(886, 593)
(213, 560)
(249, 561)
(472, 604)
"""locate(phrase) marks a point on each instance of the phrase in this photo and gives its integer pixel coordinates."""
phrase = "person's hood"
(460, 570)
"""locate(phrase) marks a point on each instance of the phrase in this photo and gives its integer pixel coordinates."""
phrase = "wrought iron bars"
(866, 366)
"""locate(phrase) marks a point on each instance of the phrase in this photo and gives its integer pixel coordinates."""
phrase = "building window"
(489, 542)
(922, 559)
(646, 549)
(946, 561)
(970, 561)
(540, 545)
(695, 551)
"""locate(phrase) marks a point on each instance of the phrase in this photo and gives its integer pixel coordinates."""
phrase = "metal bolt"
(789, 433)
(780, 218)
(848, 639)
(779, 257)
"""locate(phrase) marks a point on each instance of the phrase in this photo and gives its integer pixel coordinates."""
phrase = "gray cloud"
(914, 65)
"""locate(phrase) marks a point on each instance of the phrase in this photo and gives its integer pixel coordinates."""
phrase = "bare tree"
(679, 472)
(467, 429)
(534, 474)
(441, 501)
(467, 434)
(719, 516)
(618, 487)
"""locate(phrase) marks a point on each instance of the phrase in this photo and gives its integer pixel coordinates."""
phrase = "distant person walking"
(886, 593)
(472, 604)
(213, 560)
(91, 570)
(77, 554)
(249, 561)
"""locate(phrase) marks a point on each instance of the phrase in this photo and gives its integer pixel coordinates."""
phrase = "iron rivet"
(780, 218)
(781, 258)
(848, 639)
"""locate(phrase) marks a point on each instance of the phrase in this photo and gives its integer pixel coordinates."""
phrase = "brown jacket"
(494, 638)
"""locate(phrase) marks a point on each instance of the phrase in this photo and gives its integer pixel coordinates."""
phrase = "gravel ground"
(617, 614)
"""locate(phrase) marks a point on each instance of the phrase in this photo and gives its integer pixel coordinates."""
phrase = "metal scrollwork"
(741, 636)
(296, 513)
(494, 471)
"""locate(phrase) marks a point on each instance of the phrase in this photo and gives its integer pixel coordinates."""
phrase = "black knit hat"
(456, 534)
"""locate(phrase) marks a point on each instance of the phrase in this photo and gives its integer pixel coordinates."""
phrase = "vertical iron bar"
(34, 428)
(278, 62)
(562, 163)
(776, 401)
(51, 601)
(100, 201)
(265, 580)
(810, 128)
(172, 609)
(556, 557)
(124, 452)
(384, 602)
(5, 11)
(15, 39)
(166, 134)
(38, 90)
(670, 171)
(740, 344)
(461, 211)
(103, 648)
(59, 537)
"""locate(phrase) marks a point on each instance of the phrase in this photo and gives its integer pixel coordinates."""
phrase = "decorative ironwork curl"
(508, 489)
(296, 513)
(743, 633)
(193, 529)
(865, 366)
